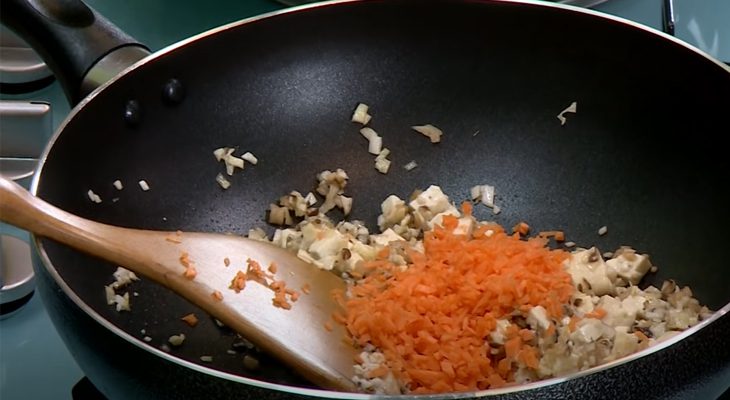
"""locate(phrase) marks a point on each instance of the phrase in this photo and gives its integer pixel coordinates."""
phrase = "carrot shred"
(597, 313)
(273, 268)
(430, 320)
(558, 235)
(642, 337)
(306, 288)
(522, 228)
(217, 295)
(573, 324)
(467, 208)
(328, 326)
(190, 319)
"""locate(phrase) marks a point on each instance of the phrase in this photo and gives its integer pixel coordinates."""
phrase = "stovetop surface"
(34, 363)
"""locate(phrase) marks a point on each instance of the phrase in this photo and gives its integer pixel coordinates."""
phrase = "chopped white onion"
(375, 145)
(572, 108)
(222, 181)
(310, 199)
(220, 153)
(375, 142)
(235, 161)
(118, 184)
(361, 114)
(93, 196)
(483, 193)
(109, 292)
(382, 164)
(206, 359)
(603, 230)
(176, 340)
(248, 156)
(411, 165)
(143, 184)
(429, 131)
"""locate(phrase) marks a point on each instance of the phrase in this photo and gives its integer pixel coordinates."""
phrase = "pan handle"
(82, 48)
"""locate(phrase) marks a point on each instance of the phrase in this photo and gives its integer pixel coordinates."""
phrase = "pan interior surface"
(641, 156)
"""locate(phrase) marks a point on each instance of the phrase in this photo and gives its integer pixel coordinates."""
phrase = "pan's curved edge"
(323, 393)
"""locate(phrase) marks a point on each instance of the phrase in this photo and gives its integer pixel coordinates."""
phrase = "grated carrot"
(273, 268)
(306, 288)
(238, 282)
(642, 337)
(217, 295)
(328, 326)
(450, 298)
(597, 313)
(190, 272)
(558, 235)
(190, 319)
(522, 228)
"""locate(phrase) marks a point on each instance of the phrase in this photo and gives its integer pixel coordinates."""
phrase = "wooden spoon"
(297, 336)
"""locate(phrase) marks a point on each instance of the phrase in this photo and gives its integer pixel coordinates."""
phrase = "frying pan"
(642, 156)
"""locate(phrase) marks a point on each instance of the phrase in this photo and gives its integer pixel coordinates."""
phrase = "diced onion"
(93, 196)
(176, 340)
(429, 131)
(361, 114)
(118, 184)
(572, 108)
(143, 184)
(248, 156)
(222, 181)
(411, 165)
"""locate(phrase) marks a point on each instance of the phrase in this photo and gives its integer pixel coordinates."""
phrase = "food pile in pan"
(439, 301)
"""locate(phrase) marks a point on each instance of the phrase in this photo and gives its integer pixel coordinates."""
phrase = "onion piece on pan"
(93, 196)
(361, 114)
(222, 181)
(572, 108)
(430, 131)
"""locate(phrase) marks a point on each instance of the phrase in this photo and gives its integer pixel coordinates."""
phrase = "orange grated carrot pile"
(431, 321)
(217, 295)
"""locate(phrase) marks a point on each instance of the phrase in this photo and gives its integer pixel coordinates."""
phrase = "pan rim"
(50, 269)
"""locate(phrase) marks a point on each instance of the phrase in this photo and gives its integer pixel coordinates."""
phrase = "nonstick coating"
(642, 155)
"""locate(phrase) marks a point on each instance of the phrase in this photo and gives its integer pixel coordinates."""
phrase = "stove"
(32, 105)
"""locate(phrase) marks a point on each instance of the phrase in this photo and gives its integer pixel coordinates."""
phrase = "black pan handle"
(74, 40)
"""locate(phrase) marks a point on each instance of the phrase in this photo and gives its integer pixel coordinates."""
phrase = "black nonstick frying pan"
(642, 156)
